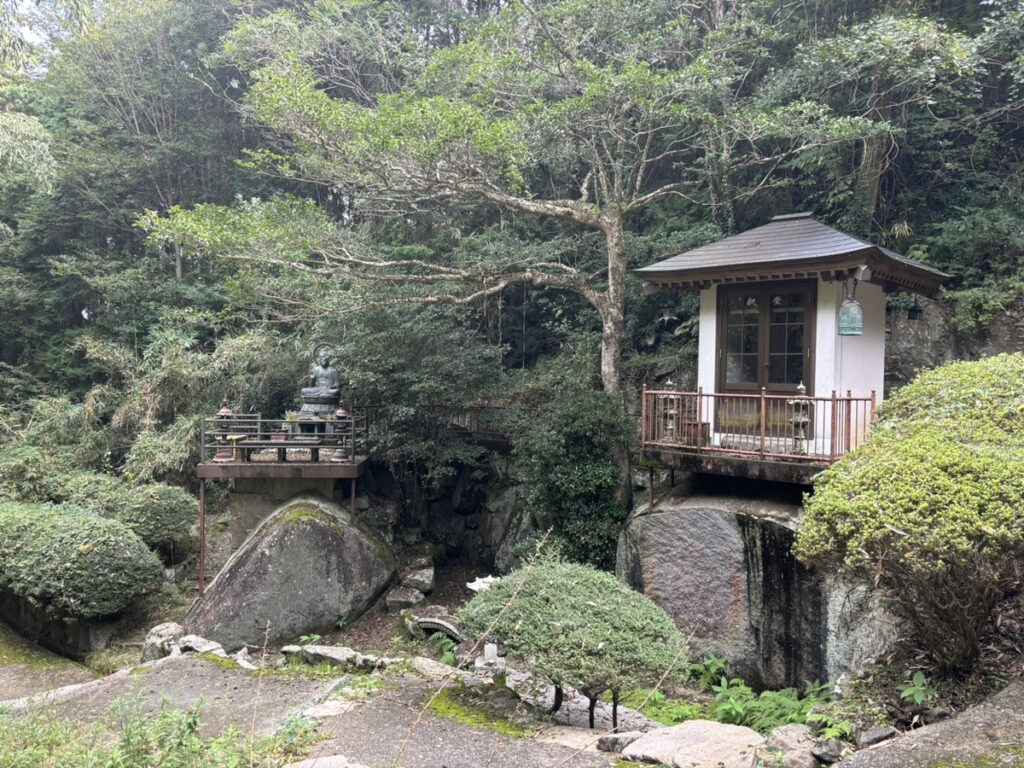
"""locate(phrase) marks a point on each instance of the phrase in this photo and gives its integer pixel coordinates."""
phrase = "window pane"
(733, 338)
(750, 339)
(749, 369)
(795, 369)
(796, 340)
(777, 369)
(777, 338)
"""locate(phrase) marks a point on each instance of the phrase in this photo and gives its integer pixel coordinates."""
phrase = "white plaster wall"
(826, 327)
(860, 360)
(854, 363)
(706, 347)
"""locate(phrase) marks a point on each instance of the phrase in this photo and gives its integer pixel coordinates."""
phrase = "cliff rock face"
(303, 569)
(722, 568)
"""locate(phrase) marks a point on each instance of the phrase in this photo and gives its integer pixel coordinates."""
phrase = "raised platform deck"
(296, 468)
(779, 438)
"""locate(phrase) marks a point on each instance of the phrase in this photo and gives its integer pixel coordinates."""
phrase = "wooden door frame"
(764, 323)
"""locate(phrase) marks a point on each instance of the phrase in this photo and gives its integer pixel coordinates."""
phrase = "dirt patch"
(989, 734)
(412, 740)
(377, 630)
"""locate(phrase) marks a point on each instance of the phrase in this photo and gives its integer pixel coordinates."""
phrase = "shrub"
(929, 509)
(163, 516)
(79, 564)
(565, 447)
(736, 703)
(578, 627)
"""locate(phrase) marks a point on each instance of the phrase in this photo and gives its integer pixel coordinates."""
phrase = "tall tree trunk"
(613, 313)
(613, 338)
(875, 150)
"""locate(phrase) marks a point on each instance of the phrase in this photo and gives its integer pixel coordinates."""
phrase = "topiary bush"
(578, 627)
(163, 516)
(931, 508)
(72, 560)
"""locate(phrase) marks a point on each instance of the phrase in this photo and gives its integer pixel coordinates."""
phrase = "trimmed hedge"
(78, 563)
(163, 516)
(931, 508)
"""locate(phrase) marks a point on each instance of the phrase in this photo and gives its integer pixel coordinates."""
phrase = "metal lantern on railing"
(340, 454)
(800, 419)
(669, 413)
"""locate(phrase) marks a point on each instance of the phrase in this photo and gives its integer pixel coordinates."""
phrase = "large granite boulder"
(307, 566)
(722, 568)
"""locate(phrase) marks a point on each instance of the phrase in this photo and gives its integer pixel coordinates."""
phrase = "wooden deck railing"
(819, 429)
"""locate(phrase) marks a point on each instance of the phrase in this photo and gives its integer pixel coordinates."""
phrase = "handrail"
(241, 437)
(791, 427)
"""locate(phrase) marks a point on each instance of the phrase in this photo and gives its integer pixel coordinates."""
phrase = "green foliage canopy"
(578, 627)
(565, 439)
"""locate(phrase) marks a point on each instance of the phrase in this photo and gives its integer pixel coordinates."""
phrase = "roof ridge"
(800, 215)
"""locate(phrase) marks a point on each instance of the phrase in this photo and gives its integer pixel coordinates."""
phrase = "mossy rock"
(306, 567)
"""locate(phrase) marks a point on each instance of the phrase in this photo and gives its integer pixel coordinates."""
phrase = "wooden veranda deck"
(782, 438)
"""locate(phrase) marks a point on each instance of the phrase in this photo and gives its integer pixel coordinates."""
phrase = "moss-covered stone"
(305, 568)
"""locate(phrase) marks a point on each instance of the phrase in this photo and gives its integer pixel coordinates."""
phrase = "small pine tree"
(578, 627)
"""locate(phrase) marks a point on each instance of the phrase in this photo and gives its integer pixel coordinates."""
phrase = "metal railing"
(821, 429)
(250, 437)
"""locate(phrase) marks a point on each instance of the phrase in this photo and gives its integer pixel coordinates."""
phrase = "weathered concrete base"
(251, 499)
(68, 636)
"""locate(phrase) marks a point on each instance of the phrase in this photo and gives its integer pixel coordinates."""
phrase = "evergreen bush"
(566, 445)
(931, 508)
(578, 627)
(72, 560)
(163, 516)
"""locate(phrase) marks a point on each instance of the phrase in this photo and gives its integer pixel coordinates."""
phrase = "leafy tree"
(886, 70)
(928, 510)
(578, 627)
(574, 111)
(564, 442)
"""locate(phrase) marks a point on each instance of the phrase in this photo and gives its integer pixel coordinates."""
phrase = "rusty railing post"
(835, 426)
(849, 420)
(764, 414)
(700, 418)
(202, 535)
(643, 417)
